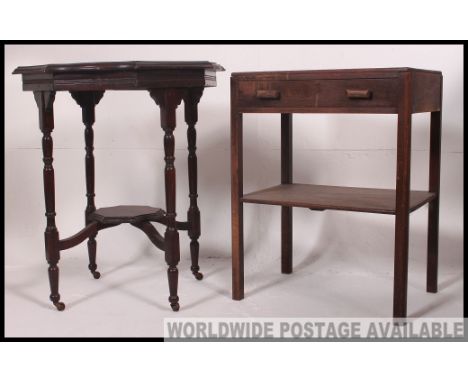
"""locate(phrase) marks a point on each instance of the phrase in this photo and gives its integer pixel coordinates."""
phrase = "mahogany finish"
(401, 91)
(88, 101)
(127, 214)
(133, 75)
(191, 100)
(168, 84)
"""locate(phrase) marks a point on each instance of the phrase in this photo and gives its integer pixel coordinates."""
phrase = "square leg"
(402, 203)
(433, 215)
(237, 211)
(286, 178)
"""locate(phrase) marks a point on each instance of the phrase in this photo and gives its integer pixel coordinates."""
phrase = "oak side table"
(401, 91)
(168, 84)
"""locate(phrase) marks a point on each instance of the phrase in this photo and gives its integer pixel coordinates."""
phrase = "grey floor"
(130, 299)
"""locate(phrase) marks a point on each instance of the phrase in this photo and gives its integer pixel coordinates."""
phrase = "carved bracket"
(87, 98)
(87, 101)
(168, 100)
(45, 103)
(191, 99)
(44, 100)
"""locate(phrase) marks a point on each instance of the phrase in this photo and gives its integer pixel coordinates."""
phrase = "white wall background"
(351, 150)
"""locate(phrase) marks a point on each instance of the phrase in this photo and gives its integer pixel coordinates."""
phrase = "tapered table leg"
(433, 216)
(88, 101)
(168, 100)
(286, 178)
(191, 100)
(45, 102)
(402, 201)
(237, 219)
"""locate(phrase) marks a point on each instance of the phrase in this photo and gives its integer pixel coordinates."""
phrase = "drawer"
(345, 94)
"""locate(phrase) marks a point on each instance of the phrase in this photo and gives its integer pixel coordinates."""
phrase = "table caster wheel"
(60, 306)
(175, 307)
(96, 275)
(198, 275)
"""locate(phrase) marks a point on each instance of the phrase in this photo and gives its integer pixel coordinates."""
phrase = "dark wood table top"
(116, 66)
(119, 75)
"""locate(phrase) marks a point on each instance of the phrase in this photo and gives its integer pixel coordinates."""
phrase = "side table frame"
(405, 108)
(168, 100)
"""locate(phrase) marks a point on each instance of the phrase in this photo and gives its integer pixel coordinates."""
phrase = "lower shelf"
(126, 214)
(318, 197)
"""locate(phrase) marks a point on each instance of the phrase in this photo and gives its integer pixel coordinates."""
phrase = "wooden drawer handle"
(268, 94)
(359, 94)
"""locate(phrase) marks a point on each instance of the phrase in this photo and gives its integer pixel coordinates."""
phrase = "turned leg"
(168, 100)
(193, 214)
(237, 219)
(45, 102)
(92, 257)
(402, 202)
(87, 101)
(433, 218)
(286, 178)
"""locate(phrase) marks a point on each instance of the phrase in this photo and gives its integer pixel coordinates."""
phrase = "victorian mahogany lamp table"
(168, 83)
(400, 91)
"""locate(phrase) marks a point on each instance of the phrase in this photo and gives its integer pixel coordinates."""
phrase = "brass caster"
(60, 306)
(175, 306)
(96, 275)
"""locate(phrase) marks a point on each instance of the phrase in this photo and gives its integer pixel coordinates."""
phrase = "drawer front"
(344, 94)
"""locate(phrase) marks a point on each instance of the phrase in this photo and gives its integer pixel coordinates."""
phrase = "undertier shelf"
(319, 197)
(127, 214)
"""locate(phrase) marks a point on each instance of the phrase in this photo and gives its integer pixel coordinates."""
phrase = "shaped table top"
(119, 75)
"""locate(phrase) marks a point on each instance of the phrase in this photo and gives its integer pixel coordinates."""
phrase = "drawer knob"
(268, 94)
(359, 93)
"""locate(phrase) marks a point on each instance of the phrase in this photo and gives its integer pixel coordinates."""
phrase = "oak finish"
(168, 84)
(286, 180)
(320, 197)
(401, 91)
(237, 207)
